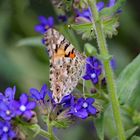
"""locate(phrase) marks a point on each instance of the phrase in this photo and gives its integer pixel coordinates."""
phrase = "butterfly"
(66, 64)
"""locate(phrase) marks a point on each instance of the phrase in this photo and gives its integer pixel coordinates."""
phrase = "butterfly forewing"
(66, 64)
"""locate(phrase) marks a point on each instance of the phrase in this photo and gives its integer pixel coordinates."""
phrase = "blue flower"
(8, 95)
(83, 108)
(85, 15)
(93, 69)
(45, 23)
(66, 101)
(7, 111)
(24, 107)
(6, 131)
(40, 95)
(111, 3)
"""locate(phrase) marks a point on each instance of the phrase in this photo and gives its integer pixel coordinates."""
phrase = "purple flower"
(85, 15)
(66, 101)
(40, 95)
(93, 69)
(7, 111)
(45, 23)
(111, 3)
(24, 107)
(83, 108)
(6, 131)
(8, 95)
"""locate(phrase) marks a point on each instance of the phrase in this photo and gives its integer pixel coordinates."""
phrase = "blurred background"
(25, 63)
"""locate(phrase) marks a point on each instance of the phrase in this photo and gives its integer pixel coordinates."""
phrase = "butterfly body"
(66, 64)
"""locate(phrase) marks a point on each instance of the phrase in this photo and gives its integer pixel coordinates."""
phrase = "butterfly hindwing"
(66, 64)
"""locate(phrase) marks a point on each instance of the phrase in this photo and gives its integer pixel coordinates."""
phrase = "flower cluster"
(93, 70)
(83, 108)
(44, 24)
(72, 106)
(85, 15)
(10, 109)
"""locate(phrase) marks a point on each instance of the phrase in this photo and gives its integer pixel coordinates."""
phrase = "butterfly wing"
(66, 64)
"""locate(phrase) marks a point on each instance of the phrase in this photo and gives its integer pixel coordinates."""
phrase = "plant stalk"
(50, 129)
(101, 40)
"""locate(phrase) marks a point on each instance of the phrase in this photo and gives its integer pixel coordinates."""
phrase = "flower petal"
(94, 80)
(111, 3)
(23, 99)
(31, 105)
(80, 101)
(12, 134)
(50, 21)
(43, 20)
(86, 77)
(3, 106)
(39, 28)
(92, 109)
(66, 98)
(35, 93)
(89, 60)
(90, 100)
(4, 136)
(10, 93)
(100, 5)
(81, 114)
(28, 114)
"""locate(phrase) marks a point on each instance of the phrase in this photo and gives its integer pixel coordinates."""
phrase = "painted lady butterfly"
(66, 64)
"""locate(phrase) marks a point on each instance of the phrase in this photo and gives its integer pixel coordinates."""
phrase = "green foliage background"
(24, 62)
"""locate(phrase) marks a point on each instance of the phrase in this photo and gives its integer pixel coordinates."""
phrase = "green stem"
(101, 40)
(44, 133)
(50, 130)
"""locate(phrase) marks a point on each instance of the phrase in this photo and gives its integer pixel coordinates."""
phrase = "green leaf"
(90, 50)
(110, 25)
(135, 138)
(128, 80)
(33, 41)
(128, 133)
(85, 29)
(99, 123)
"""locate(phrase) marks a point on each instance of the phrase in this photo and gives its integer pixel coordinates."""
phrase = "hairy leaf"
(110, 25)
(86, 29)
